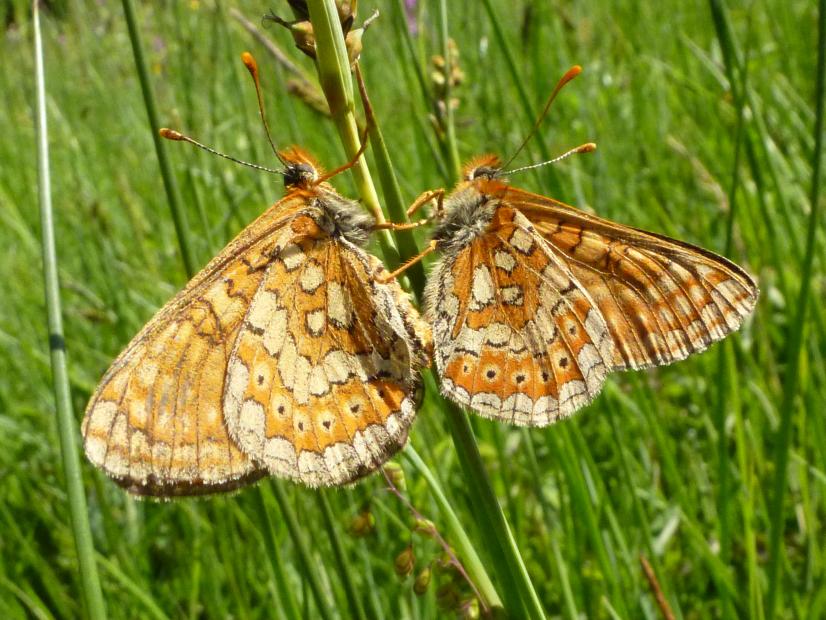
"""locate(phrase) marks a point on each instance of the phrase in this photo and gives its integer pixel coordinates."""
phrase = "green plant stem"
(452, 148)
(393, 201)
(458, 537)
(336, 81)
(797, 327)
(285, 592)
(323, 604)
(67, 427)
(343, 566)
(494, 526)
(173, 196)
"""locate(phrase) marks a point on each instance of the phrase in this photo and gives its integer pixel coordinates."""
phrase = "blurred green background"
(676, 465)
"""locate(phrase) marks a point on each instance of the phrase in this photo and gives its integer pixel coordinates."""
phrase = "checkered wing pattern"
(662, 299)
(516, 336)
(323, 379)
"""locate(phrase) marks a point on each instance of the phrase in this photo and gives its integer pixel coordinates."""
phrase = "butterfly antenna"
(252, 67)
(570, 74)
(588, 147)
(171, 134)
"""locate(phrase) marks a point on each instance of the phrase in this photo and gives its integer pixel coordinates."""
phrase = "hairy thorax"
(343, 218)
(468, 215)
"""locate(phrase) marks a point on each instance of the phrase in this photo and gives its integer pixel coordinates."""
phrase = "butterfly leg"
(384, 278)
(395, 226)
(437, 195)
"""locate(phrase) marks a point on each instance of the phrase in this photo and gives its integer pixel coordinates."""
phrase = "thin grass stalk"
(450, 127)
(494, 526)
(67, 426)
(528, 108)
(456, 533)
(285, 592)
(344, 568)
(728, 400)
(393, 201)
(151, 608)
(547, 514)
(797, 327)
(336, 81)
(310, 574)
(173, 196)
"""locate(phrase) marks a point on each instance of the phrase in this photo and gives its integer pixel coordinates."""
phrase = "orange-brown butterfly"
(534, 302)
(282, 356)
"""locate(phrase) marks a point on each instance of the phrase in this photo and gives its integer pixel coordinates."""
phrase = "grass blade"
(173, 196)
(67, 426)
(797, 327)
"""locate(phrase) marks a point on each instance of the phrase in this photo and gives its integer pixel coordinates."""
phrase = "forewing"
(516, 337)
(155, 422)
(661, 298)
(323, 382)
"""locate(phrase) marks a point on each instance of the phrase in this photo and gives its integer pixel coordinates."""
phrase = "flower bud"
(422, 581)
(405, 562)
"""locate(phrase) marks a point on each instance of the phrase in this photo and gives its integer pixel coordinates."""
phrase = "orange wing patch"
(516, 337)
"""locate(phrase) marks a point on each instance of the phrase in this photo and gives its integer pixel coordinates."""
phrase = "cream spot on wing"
(315, 321)
(292, 256)
(319, 385)
(274, 332)
(339, 305)
(497, 334)
(504, 260)
(301, 380)
(280, 450)
(311, 468)
(147, 372)
(264, 306)
(512, 295)
(239, 377)
(311, 277)
(340, 366)
(286, 362)
(470, 340)
(521, 240)
(482, 288)
(342, 461)
(572, 395)
(486, 403)
(251, 423)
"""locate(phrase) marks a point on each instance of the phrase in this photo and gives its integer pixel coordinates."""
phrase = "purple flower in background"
(410, 9)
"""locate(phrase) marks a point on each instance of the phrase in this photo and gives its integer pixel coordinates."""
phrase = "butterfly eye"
(481, 172)
(298, 175)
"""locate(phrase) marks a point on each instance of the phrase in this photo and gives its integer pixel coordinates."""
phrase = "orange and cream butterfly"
(534, 302)
(283, 356)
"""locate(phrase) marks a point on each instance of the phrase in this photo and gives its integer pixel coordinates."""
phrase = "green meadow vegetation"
(696, 490)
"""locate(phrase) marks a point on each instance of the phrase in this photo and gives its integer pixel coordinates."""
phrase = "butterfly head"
(301, 171)
(482, 167)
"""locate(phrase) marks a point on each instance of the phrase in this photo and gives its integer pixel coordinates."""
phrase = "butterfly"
(535, 302)
(283, 356)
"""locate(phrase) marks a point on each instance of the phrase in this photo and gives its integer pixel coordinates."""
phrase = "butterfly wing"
(323, 381)
(662, 299)
(516, 337)
(155, 423)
